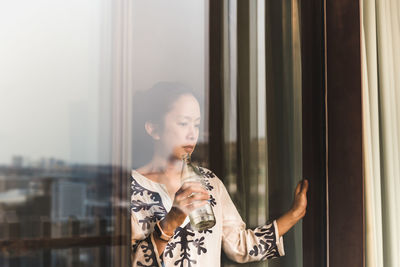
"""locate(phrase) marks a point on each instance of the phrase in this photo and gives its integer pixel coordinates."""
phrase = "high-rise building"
(68, 199)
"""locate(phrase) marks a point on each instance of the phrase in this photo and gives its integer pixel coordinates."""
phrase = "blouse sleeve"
(146, 209)
(246, 245)
(144, 250)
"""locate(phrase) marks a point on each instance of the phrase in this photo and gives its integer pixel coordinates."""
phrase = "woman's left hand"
(300, 200)
(298, 210)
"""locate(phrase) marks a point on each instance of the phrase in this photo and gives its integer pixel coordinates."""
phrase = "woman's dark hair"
(151, 106)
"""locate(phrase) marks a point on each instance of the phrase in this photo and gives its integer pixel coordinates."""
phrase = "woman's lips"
(188, 148)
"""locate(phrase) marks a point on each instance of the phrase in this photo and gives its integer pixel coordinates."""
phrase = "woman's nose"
(191, 133)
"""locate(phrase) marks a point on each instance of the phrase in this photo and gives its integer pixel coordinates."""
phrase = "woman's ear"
(152, 130)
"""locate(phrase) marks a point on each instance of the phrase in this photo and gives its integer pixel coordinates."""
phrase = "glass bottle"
(203, 217)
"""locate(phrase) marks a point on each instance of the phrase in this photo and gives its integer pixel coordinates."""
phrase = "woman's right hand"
(189, 197)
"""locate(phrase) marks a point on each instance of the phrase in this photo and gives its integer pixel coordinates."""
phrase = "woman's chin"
(182, 154)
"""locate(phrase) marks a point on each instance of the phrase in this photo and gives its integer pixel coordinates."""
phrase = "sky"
(56, 70)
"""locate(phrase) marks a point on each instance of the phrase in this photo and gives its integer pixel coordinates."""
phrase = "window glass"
(257, 104)
(78, 121)
(55, 135)
(170, 44)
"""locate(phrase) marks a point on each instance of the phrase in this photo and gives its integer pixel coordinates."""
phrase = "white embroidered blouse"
(150, 202)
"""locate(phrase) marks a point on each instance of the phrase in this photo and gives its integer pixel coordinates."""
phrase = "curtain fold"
(262, 99)
(381, 121)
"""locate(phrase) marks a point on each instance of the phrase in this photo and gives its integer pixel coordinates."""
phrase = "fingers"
(194, 198)
(192, 189)
(304, 188)
(197, 204)
(298, 188)
(301, 187)
(190, 196)
(191, 203)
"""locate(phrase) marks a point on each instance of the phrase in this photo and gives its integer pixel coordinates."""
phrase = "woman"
(161, 231)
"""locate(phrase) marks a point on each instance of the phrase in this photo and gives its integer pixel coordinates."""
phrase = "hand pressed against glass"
(298, 210)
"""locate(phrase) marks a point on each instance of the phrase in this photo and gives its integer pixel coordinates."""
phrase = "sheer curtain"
(381, 92)
(262, 114)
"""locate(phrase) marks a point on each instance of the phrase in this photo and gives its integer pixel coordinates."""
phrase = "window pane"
(170, 44)
(76, 109)
(55, 139)
(259, 98)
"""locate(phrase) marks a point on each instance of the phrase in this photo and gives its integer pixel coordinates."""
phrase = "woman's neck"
(164, 171)
(159, 168)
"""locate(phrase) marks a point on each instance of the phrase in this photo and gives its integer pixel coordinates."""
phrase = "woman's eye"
(197, 126)
(182, 124)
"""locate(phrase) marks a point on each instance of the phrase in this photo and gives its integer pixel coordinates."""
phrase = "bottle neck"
(187, 159)
(188, 170)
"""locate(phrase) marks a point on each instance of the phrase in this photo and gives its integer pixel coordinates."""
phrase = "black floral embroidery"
(267, 245)
(199, 244)
(150, 258)
(208, 186)
(205, 231)
(135, 245)
(151, 220)
(152, 212)
(184, 234)
(184, 238)
(169, 248)
(184, 243)
(212, 201)
(137, 205)
(206, 173)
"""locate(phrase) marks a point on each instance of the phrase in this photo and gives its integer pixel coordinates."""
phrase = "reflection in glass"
(261, 103)
(55, 136)
(55, 139)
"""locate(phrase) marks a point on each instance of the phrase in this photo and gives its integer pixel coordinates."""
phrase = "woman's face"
(180, 132)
